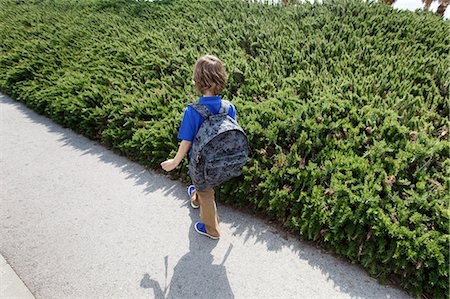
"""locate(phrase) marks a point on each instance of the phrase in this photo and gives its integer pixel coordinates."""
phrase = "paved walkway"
(10, 284)
(78, 221)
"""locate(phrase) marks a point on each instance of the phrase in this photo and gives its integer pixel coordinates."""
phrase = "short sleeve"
(232, 111)
(187, 129)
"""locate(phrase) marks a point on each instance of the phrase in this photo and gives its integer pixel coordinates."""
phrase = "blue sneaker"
(201, 229)
(191, 190)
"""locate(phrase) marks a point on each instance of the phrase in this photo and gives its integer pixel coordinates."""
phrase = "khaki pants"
(208, 210)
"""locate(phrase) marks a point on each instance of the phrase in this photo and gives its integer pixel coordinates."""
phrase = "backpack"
(219, 150)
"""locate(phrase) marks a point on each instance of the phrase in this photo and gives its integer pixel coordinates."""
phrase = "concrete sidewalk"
(10, 284)
(79, 221)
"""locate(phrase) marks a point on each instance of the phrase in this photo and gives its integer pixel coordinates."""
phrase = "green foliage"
(345, 103)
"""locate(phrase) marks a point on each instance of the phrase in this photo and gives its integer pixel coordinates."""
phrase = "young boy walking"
(209, 79)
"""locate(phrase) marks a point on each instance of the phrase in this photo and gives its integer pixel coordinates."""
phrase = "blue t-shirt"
(192, 120)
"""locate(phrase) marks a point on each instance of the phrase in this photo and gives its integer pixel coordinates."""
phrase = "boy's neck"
(208, 94)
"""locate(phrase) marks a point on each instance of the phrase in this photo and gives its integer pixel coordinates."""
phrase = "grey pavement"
(78, 221)
(10, 284)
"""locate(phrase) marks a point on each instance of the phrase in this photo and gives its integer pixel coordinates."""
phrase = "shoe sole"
(205, 234)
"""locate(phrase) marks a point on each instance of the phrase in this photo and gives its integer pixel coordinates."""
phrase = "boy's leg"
(208, 211)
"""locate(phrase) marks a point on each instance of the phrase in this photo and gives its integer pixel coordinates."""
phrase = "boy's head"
(210, 76)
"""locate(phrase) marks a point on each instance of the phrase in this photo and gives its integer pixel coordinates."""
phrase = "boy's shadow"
(195, 275)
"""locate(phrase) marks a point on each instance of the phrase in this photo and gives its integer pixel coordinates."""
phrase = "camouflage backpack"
(220, 148)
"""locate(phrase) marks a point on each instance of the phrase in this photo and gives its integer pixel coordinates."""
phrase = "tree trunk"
(427, 4)
(442, 7)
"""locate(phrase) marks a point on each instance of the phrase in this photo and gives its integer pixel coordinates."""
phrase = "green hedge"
(345, 103)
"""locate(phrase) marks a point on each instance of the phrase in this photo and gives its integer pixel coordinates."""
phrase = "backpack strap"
(225, 107)
(200, 108)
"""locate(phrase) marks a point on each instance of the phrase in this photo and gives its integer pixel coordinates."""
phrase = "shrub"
(345, 103)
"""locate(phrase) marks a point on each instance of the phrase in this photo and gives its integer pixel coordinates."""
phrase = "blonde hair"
(210, 75)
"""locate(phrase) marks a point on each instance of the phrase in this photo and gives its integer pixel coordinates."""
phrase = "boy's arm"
(182, 151)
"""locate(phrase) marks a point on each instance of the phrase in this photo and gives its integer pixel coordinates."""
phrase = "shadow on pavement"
(195, 275)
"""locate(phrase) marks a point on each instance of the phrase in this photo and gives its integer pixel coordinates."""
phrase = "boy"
(209, 79)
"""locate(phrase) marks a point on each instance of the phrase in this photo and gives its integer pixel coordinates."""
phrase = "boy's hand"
(182, 151)
(169, 165)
